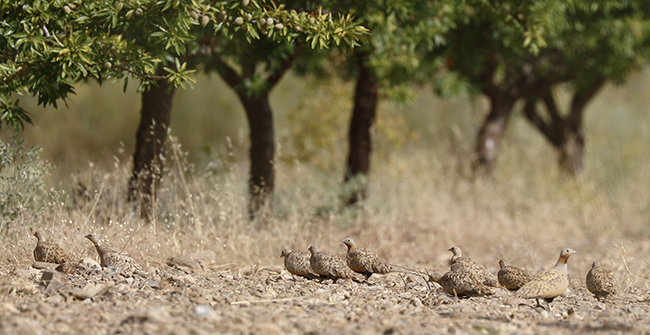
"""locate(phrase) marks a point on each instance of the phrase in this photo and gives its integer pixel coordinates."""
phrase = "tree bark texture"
(359, 137)
(491, 132)
(149, 152)
(261, 180)
(262, 172)
(566, 134)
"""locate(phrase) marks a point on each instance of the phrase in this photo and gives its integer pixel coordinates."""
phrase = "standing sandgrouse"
(297, 263)
(601, 281)
(458, 262)
(550, 283)
(111, 258)
(49, 252)
(512, 277)
(364, 261)
(461, 283)
(330, 265)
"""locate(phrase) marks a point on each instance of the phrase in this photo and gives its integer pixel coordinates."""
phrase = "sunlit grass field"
(421, 202)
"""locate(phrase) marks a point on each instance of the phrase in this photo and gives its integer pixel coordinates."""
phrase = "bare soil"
(242, 299)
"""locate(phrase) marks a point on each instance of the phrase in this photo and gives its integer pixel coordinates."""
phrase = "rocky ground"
(194, 295)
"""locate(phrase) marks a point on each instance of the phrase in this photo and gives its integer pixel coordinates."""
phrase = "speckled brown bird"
(601, 281)
(49, 252)
(112, 258)
(461, 283)
(458, 262)
(550, 283)
(297, 263)
(330, 265)
(512, 278)
(364, 261)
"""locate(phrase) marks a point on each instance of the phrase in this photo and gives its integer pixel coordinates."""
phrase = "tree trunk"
(360, 142)
(262, 173)
(150, 138)
(566, 134)
(491, 133)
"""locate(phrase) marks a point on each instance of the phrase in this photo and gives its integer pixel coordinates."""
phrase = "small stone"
(203, 311)
(25, 273)
(90, 264)
(44, 265)
(95, 289)
(155, 284)
(7, 308)
(50, 276)
(183, 261)
(80, 294)
(203, 256)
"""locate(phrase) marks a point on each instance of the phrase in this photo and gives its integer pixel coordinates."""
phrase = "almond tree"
(523, 50)
(47, 45)
(608, 42)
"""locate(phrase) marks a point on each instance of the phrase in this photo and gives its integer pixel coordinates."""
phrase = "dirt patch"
(242, 299)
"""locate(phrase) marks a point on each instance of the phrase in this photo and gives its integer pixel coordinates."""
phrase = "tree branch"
(227, 73)
(141, 75)
(530, 112)
(551, 107)
(580, 100)
(277, 74)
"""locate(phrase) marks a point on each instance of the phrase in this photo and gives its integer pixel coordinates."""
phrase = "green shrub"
(22, 183)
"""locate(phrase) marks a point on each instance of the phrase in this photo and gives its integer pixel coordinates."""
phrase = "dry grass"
(421, 202)
(420, 206)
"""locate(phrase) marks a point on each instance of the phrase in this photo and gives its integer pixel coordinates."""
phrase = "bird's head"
(349, 242)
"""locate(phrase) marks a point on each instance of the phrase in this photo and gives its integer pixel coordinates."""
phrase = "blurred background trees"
(528, 54)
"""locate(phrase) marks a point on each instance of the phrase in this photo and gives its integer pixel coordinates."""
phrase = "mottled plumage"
(458, 262)
(112, 258)
(49, 252)
(601, 280)
(461, 283)
(364, 261)
(297, 263)
(512, 277)
(550, 283)
(330, 265)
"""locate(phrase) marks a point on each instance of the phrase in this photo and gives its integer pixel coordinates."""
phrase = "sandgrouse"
(550, 283)
(49, 252)
(458, 262)
(461, 283)
(601, 281)
(330, 265)
(512, 277)
(364, 261)
(297, 263)
(112, 258)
